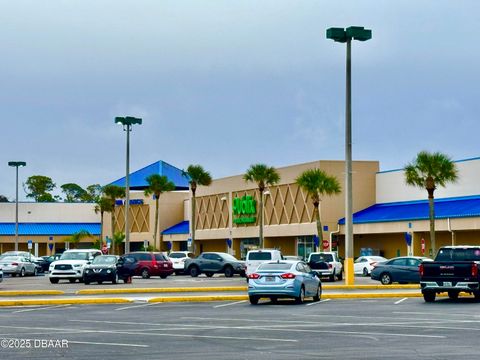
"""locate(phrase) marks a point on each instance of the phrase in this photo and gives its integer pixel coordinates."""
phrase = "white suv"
(71, 265)
(256, 257)
(326, 263)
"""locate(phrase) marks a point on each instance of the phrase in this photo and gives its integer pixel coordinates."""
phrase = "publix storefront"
(228, 211)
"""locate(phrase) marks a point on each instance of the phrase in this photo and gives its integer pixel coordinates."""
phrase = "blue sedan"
(285, 279)
(402, 269)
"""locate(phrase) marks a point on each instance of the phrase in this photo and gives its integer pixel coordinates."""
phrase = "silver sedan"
(18, 265)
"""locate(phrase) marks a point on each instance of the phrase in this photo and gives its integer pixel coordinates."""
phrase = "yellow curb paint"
(31, 292)
(62, 301)
(198, 298)
(159, 290)
(371, 287)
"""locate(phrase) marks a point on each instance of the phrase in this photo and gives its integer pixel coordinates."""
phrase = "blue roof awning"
(138, 182)
(459, 207)
(51, 229)
(180, 228)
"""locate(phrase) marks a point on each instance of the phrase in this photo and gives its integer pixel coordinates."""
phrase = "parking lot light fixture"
(346, 36)
(16, 165)
(127, 122)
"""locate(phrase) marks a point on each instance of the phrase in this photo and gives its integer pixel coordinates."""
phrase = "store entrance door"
(305, 246)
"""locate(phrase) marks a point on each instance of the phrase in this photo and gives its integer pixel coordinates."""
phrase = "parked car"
(284, 279)
(106, 268)
(210, 263)
(18, 265)
(364, 264)
(256, 257)
(292, 258)
(334, 268)
(178, 259)
(71, 265)
(25, 254)
(404, 269)
(41, 263)
(1, 275)
(146, 264)
(47, 261)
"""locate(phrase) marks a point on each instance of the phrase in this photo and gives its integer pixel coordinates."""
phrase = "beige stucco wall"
(49, 212)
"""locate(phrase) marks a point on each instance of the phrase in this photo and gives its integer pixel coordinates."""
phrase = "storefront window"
(305, 245)
(248, 244)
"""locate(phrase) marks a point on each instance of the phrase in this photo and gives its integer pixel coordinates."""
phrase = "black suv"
(214, 262)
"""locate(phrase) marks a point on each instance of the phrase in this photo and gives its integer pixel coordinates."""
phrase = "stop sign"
(326, 244)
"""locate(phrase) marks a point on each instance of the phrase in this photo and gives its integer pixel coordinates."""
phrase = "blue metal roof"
(180, 228)
(459, 207)
(138, 182)
(49, 228)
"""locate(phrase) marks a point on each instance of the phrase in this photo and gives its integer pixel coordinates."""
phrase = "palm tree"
(102, 205)
(263, 176)
(317, 183)
(197, 176)
(157, 184)
(428, 171)
(77, 237)
(113, 192)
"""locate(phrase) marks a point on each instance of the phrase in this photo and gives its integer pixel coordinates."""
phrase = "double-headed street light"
(127, 123)
(16, 164)
(346, 36)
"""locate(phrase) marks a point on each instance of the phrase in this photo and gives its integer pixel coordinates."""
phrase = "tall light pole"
(16, 164)
(346, 36)
(127, 123)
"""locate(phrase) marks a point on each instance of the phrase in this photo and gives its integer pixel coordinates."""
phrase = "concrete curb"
(370, 287)
(31, 292)
(160, 290)
(29, 302)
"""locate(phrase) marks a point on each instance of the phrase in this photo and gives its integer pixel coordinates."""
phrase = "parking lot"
(335, 329)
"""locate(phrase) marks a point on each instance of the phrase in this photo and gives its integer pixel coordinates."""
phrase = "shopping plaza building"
(390, 218)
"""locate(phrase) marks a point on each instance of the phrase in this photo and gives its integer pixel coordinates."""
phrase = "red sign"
(423, 246)
(326, 244)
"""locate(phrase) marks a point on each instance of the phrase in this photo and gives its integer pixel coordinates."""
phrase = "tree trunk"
(113, 230)
(156, 227)
(101, 228)
(260, 218)
(432, 220)
(319, 226)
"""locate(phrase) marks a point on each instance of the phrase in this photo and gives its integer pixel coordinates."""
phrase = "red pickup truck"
(455, 270)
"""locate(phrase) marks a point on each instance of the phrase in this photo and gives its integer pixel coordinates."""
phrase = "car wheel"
(209, 274)
(385, 279)
(35, 272)
(340, 276)
(54, 280)
(86, 282)
(194, 271)
(253, 299)
(115, 279)
(177, 273)
(318, 295)
(145, 273)
(365, 272)
(332, 277)
(274, 300)
(163, 276)
(228, 271)
(72, 280)
(453, 295)
(477, 295)
(301, 296)
(100, 282)
(429, 296)
(22, 272)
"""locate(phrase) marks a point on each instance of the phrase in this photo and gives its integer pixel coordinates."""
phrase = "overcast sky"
(229, 83)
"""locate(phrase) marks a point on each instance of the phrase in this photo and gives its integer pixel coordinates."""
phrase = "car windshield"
(177, 255)
(11, 258)
(274, 266)
(228, 257)
(321, 257)
(260, 255)
(458, 254)
(74, 256)
(105, 260)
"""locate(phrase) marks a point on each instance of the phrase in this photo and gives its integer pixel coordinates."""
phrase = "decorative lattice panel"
(138, 218)
(212, 212)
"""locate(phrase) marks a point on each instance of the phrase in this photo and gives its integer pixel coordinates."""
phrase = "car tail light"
(14, 264)
(288, 276)
(254, 276)
(330, 266)
(474, 270)
(421, 269)
(373, 264)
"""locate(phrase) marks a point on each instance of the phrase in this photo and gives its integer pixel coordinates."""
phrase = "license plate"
(269, 278)
(447, 284)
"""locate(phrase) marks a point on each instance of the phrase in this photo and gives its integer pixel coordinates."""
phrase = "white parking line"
(41, 308)
(108, 344)
(136, 306)
(318, 302)
(234, 303)
(400, 301)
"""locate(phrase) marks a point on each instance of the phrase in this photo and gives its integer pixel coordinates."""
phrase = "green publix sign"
(244, 208)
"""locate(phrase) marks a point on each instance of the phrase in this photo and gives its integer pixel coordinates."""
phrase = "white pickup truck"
(326, 264)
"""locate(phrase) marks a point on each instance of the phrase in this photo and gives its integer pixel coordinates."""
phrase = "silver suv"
(72, 264)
